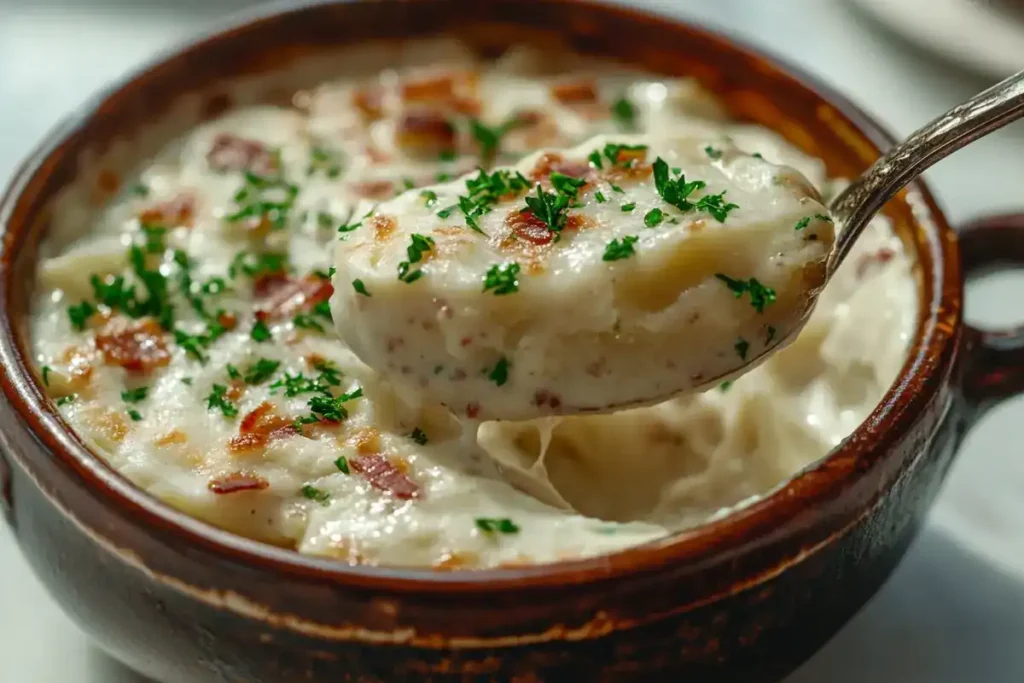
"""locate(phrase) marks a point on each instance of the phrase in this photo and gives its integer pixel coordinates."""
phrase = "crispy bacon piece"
(138, 347)
(369, 101)
(268, 284)
(577, 92)
(425, 133)
(527, 226)
(170, 214)
(374, 189)
(868, 261)
(550, 163)
(232, 153)
(456, 90)
(295, 296)
(383, 227)
(236, 482)
(383, 475)
(259, 427)
(227, 320)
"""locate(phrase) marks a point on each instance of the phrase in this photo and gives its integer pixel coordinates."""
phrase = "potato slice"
(620, 272)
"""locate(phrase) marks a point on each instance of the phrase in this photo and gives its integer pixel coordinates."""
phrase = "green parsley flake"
(622, 155)
(328, 408)
(134, 395)
(140, 189)
(135, 415)
(419, 436)
(676, 191)
(617, 250)
(760, 295)
(499, 375)
(715, 205)
(429, 198)
(725, 386)
(616, 188)
(625, 113)
(626, 208)
(494, 525)
(323, 160)
(599, 196)
(313, 493)
(653, 218)
(802, 223)
(306, 321)
(79, 314)
(67, 400)
(256, 265)
(502, 279)
(549, 207)
(260, 332)
(360, 287)
(741, 346)
(342, 464)
(489, 138)
(595, 158)
(46, 375)
(218, 400)
(418, 246)
(234, 372)
(712, 152)
(260, 371)
(264, 200)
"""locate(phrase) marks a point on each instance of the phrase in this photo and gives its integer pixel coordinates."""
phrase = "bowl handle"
(993, 362)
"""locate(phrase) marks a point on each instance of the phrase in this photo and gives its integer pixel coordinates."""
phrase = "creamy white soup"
(186, 330)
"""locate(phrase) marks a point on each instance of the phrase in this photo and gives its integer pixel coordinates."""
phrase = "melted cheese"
(382, 477)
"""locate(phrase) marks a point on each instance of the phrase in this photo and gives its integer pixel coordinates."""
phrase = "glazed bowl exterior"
(745, 598)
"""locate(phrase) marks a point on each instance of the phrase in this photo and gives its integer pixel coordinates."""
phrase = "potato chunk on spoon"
(619, 272)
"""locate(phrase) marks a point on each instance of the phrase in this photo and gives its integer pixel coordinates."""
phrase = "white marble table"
(953, 612)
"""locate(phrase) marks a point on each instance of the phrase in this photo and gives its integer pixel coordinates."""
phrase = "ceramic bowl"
(745, 598)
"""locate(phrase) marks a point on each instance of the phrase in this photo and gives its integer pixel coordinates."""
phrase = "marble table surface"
(953, 612)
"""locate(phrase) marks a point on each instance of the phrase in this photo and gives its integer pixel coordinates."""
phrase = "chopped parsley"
(447, 155)
(306, 321)
(599, 196)
(264, 200)
(328, 408)
(616, 188)
(323, 160)
(349, 227)
(418, 246)
(260, 332)
(502, 279)
(485, 190)
(419, 436)
(193, 344)
(617, 250)
(626, 208)
(135, 415)
(187, 381)
(46, 375)
(595, 158)
(624, 112)
(725, 386)
(489, 138)
(313, 493)
(806, 220)
(614, 153)
(653, 218)
(234, 372)
(214, 286)
(760, 295)
(499, 375)
(261, 370)
(342, 464)
(429, 197)
(255, 265)
(676, 191)
(134, 395)
(140, 189)
(154, 238)
(712, 152)
(360, 287)
(492, 525)
(218, 401)
(741, 346)
(66, 400)
(566, 184)
(79, 314)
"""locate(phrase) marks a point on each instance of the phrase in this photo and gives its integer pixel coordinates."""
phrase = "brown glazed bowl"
(745, 598)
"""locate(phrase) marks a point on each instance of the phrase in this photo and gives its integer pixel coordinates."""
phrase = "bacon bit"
(452, 87)
(366, 441)
(112, 424)
(260, 426)
(170, 214)
(577, 221)
(137, 347)
(579, 92)
(868, 261)
(527, 226)
(227, 320)
(472, 410)
(369, 101)
(551, 162)
(525, 118)
(314, 359)
(633, 172)
(232, 153)
(383, 227)
(630, 157)
(465, 341)
(236, 482)
(374, 189)
(383, 475)
(545, 398)
(235, 389)
(107, 181)
(80, 369)
(425, 133)
(376, 155)
(175, 436)
(268, 284)
(294, 296)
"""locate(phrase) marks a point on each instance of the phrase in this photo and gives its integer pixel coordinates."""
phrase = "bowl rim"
(933, 348)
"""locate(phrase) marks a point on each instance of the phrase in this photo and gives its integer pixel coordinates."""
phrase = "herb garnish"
(725, 386)
(46, 375)
(549, 207)
(255, 265)
(595, 158)
(65, 400)
(429, 198)
(499, 375)
(599, 196)
(503, 279)
(493, 525)
(260, 332)
(307, 322)
(79, 314)
(712, 152)
(218, 400)
(360, 287)
(760, 295)
(489, 138)
(626, 208)
(418, 246)
(653, 218)
(614, 153)
(233, 372)
(419, 436)
(342, 464)
(616, 188)
(134, 395)
(617, 250)
(265, 200)
(676, 191)
(323, 159)
(313, 493)
(624, 112)
(715, 205)
(805, 221)
(328, 408)
(135, 415)
(261, 370)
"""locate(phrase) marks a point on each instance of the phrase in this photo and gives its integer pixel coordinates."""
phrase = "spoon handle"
(960, 126)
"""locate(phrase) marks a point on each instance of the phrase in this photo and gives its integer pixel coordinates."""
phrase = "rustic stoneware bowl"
(745, 598)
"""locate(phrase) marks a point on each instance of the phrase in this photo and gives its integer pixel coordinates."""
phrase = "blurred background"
(954, 611)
